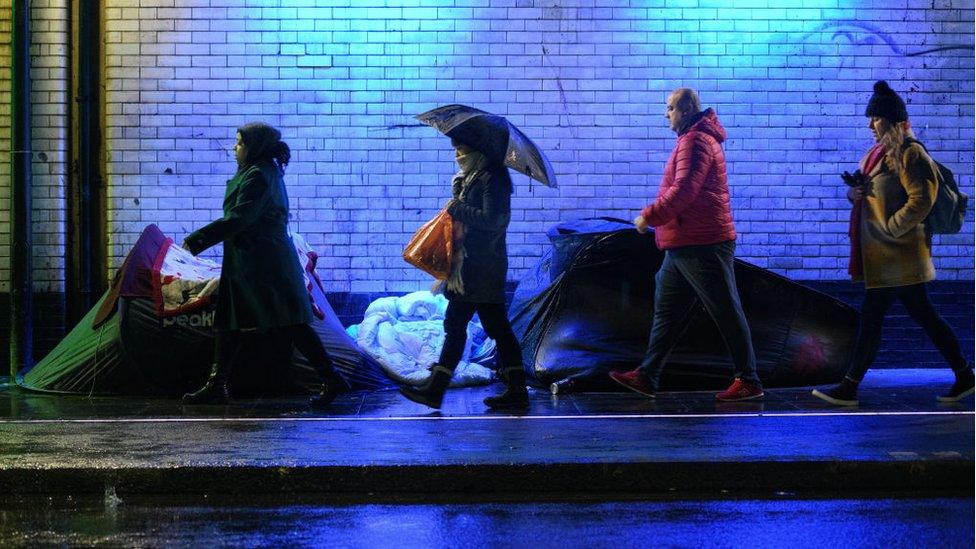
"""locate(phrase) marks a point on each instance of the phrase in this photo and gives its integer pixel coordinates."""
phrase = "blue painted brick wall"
(586, 79)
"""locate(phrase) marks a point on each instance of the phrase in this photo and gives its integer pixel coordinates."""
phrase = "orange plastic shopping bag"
(432, 247)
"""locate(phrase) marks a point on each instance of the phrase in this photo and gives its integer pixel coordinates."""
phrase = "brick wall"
(586, 79)
(49, 98)
(50, 82)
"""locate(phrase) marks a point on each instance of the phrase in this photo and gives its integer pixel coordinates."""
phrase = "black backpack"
(949, 211)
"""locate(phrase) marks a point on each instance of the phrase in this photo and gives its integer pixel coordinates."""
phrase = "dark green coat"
(261, 283)
(484, 205)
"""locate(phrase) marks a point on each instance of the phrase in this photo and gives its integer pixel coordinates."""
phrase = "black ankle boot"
(332, 386)
(515, 395)
(214, 391)
(962, 388)
(431, 393)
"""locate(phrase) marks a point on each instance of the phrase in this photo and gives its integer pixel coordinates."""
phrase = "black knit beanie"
(886, 103)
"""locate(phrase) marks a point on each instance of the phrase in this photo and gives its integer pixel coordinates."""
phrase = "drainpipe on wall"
(85, 258)
(21, 279)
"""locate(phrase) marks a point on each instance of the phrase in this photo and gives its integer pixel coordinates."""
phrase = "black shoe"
(515, 395)
(843, 394)
(214, 391)
(332, 387)
(962, 388)
(431, 393)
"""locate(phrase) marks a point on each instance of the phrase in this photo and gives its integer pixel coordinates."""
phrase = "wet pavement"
(900, 440)
(778, 522)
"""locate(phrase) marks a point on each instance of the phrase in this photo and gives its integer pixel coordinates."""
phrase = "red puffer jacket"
(692, 205)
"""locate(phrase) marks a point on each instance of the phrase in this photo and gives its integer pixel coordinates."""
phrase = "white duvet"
(405, 334)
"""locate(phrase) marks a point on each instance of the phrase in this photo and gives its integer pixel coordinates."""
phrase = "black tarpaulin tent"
(130, 344)
(586, 308)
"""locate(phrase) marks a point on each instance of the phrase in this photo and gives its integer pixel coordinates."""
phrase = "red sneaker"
(634, 381)
(740, 390)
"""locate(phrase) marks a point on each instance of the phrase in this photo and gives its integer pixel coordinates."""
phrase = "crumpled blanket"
(183, 283)
(405, 335)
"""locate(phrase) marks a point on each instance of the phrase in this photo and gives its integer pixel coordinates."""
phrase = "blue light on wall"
(586, 82)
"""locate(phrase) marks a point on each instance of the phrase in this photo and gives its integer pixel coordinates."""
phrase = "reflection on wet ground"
(776, 522)
(683, 444)
(883, 391)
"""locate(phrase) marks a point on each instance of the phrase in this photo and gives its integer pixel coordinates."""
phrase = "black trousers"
(877, 301)
(228, 346)
(494, 319)
(688, 274)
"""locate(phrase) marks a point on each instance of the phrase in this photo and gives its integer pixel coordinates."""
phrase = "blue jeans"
(687, 274)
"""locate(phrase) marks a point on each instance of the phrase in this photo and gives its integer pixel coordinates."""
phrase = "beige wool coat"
(895, 248)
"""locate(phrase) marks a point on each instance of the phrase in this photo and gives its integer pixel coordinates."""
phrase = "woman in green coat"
(261, 282)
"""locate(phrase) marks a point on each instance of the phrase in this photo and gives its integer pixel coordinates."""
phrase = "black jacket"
(484, 206)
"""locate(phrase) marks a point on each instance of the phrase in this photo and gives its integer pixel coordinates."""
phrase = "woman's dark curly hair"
(264, 143)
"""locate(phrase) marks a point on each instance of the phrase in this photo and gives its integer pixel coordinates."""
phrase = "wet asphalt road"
(944, 523)
(65, 443)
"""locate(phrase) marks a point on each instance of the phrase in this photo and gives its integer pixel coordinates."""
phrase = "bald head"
(683, 104)
(686, 100)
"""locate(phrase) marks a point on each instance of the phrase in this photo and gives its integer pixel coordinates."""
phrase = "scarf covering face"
(470, 164)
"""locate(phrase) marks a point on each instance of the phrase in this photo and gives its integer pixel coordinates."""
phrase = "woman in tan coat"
(891, 251)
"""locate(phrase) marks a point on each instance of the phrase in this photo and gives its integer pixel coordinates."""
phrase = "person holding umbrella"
(261, 283)
(481, 205)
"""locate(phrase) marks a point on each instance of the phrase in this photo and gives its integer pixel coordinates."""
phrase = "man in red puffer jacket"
(693, 224)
